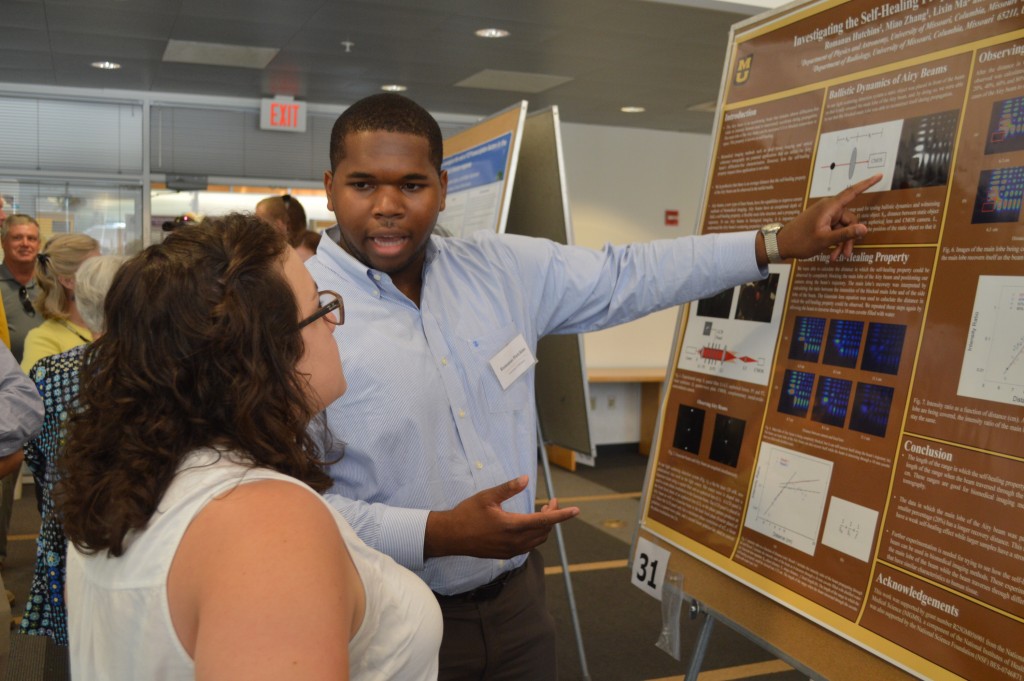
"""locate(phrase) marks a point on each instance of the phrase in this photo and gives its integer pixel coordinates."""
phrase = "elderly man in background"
(19, 237)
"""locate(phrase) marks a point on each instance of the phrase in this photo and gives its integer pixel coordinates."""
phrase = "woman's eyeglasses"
(332, 308)
(25, 302)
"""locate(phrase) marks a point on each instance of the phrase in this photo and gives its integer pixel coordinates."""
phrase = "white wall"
(620, 183)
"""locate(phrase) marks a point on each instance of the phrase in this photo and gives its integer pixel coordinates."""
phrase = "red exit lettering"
(671, 218)
(284, 115)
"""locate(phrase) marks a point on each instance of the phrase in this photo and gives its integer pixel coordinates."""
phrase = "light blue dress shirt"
(21, 408)
(425, 420)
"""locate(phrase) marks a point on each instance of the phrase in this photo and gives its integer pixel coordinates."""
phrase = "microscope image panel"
(925, 150)
(726, 439)
(757, 299)
(689, 429)
(871, 405)
(795, 399)
(831, 401)
(883, 348)
(1000, 192)
(842, 347)
(808, 334)
(1006, 127)
(719, 305)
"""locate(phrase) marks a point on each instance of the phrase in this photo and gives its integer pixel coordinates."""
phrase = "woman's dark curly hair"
(200, 350)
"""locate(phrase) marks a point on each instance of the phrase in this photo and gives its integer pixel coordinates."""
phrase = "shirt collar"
(340, 261)
(7, 275)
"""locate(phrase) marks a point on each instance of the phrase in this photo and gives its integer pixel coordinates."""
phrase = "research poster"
(848, 437)
(481, 164)
(476, 186)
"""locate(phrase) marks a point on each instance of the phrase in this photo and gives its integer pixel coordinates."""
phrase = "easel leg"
(697, 659)
(585, 674)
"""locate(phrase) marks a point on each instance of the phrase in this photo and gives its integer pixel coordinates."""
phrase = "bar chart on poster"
(842, 439)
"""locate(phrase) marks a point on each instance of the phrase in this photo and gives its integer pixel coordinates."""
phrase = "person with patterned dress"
(56, 379)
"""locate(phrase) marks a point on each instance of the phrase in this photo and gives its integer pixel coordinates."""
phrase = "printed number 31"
(644, 563)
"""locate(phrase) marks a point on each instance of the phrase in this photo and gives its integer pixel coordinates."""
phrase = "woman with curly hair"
(189, 482)
(55, 298)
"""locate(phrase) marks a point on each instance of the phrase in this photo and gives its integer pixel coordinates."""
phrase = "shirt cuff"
(738, 251)
(402, 532)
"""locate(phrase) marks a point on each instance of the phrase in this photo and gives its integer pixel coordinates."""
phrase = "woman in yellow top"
(5, 337)
(55, 280)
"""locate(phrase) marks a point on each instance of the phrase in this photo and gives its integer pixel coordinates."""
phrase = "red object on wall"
(671, 218)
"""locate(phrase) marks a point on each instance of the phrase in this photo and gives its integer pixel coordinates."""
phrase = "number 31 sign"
(649, 565)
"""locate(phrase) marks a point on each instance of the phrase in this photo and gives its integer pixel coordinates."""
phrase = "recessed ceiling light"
(492, 33)
(393, 87)
(106, 65)
(632, 109)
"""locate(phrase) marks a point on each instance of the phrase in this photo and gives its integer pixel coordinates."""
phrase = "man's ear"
(444, 188)
(328, 185)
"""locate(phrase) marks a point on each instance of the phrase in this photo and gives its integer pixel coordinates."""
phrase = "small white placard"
(512, 361)
(650, 562)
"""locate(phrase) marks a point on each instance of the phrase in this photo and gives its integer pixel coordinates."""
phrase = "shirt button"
(479, 465)
(376, 293)
(376, 277)
(462, 413)
(444, 361)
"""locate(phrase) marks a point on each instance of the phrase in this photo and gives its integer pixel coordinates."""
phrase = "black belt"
(487, 592)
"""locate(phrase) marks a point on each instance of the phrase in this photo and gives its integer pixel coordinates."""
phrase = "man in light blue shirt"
(21, 409)
(439, 419)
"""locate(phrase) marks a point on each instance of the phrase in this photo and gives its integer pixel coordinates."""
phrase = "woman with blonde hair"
(63, 328)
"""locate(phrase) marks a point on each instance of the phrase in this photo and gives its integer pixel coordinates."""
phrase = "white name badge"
(512, 361)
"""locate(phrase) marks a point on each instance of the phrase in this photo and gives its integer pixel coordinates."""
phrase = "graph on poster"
(788, 500)
(993, 367)
(849, 156)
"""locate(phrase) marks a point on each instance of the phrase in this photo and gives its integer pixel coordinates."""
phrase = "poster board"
(839, 445)
(481, 162)
(540, 208)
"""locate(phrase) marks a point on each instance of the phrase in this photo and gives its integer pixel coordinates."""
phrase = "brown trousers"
(508, 638)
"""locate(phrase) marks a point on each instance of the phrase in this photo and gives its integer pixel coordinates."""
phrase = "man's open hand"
(479, 527)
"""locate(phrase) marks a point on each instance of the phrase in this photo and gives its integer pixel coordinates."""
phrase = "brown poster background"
(850, 434)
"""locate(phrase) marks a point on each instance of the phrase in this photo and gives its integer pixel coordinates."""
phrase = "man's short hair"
(16, 219)
(387, 112)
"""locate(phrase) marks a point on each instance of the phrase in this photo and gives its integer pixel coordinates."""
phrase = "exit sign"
(282, 114)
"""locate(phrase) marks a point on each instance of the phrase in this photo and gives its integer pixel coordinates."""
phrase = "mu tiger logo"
(743, 66)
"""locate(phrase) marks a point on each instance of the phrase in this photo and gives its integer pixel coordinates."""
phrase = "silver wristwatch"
(771, 242)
